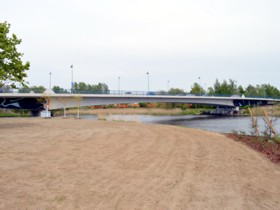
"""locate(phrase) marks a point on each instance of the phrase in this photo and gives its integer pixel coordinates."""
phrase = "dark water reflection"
(222, 124)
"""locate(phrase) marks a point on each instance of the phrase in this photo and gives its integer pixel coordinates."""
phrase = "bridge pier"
(35, 113)
(45, 114)
(225, 111)
(41, 113)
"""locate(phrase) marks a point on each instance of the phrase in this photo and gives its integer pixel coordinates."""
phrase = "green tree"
(261, 90)
(264, 90)
(58, 89)
(102, 88)
(175, 91)
(241, 90)
(81, 87)
(225, 88)
(232, 87)
(217, 87)
(270, 91)
(12, 69)
(251, 91)
(211, 91)
(197, 89)
(35, 89)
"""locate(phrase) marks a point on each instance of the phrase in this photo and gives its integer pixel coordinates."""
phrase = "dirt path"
(80, 164)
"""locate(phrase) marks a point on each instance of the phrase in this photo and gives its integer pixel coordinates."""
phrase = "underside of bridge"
(71, 101)
(22, 103)
(58, 103)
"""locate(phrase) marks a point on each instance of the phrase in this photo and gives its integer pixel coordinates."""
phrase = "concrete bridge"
(52, 101)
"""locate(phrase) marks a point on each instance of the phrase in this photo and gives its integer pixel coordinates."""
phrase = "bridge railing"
(137, 92)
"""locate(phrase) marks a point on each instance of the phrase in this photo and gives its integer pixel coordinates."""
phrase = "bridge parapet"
(57, 101)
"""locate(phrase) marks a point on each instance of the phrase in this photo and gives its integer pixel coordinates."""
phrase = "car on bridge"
(151, 93)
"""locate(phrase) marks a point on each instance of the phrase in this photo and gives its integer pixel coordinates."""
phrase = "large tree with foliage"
(224, 88)
(81, 87)
(175, 91)
(58, 89)
(197, 89)
(12, 69)
(264, 90)
(35, 89)
(270, 91)
(230, 88)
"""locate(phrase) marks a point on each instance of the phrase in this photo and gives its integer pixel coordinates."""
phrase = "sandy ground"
(126, 111)
(80, 164)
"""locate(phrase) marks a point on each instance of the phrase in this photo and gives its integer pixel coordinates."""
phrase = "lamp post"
(199, 86)
(71, 78)
(148, 82)
(119, 85)
(234, 90)
(50, 80)
(168, 85)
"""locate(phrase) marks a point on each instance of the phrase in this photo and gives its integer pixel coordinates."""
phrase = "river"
(221, 124)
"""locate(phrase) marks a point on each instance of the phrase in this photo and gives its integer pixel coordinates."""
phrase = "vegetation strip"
(264, 146)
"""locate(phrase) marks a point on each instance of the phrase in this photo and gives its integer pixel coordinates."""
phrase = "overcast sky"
(174, 40)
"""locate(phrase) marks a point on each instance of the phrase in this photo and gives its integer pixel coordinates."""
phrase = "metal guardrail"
(143, 93)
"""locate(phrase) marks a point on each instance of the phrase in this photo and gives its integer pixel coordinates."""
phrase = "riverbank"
(267, 147)
(271, 111)
(257, 111)
(131, 111)
(80, 164)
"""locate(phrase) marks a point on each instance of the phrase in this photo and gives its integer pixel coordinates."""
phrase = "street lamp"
(199, 86)
(168, 85)
(119, 85)
(50, 80)
(234, 90)
(148, 82)
(71, 78)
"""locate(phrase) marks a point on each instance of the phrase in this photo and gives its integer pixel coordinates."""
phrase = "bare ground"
(261, 144)
(80, 164)
(124, 111)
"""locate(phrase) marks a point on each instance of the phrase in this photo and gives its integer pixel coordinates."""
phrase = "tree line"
(227, 88)
(230, 88)
(78, 87)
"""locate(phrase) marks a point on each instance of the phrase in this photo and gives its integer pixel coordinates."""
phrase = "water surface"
(222, 124)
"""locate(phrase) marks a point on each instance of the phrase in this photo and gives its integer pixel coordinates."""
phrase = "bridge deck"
(58, 101)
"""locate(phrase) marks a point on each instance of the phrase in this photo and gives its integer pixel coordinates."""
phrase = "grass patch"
(133, 111)
(258, 111)
(14, 113)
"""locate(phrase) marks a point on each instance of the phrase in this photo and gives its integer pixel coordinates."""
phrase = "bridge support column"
(45, 114)
(225, 111)
(236, 110)
(35, 113)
